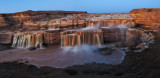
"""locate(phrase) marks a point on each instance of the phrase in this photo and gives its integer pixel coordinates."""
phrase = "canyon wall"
(43, 20)
(52, 37)
(6, 37)
(63, 20)
(40, 20)
(146, 17)
(109, 19)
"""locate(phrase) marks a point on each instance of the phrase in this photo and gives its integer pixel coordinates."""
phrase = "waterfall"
(98, 40)
(71, 40)
(79, 37)
(26, 40)
(39, 40)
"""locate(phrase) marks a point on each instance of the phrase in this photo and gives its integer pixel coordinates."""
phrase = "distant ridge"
(49, 12)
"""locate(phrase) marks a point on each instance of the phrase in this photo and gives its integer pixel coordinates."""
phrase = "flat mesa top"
(30, 12)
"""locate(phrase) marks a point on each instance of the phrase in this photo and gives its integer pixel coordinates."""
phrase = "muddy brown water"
(58, 57)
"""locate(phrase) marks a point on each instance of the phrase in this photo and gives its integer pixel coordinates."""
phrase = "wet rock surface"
(32, 48)
(52, 37)
(90, 36)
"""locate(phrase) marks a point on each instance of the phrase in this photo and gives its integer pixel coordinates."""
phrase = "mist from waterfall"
(86, 50)
(87, 54)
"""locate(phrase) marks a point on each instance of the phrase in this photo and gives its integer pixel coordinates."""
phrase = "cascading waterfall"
(26, 40)
(82, 36)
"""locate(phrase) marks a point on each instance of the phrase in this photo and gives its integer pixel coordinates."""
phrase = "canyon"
(48, 21)
(43, 38)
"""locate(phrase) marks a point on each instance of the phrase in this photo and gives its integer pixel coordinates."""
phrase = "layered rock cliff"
(37, 20)
(43, 20)
(40, 20)
(146, 17)
(109, 19)
(63, 20)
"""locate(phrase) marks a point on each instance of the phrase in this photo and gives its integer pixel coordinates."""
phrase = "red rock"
(70, 22)
(146, 16)
(133, 37)
(36, 20)
(110, 19)
(3, 23)
(63, 23)
(6, 38)
(113, 34)
(52, 37)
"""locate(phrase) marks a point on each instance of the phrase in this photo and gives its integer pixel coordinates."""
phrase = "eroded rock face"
(114, 34)
(3, 22)
(110, 19)
(52, 37)
(146, 17)
(43, 20)
(37, 20)
(65, 20)
(6, 38)
(133, 37)
(127, 37)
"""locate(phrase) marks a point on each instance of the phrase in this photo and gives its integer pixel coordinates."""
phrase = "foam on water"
(52, 29)
(87, 54)
(89, 28)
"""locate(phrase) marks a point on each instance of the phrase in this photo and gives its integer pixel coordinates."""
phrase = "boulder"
(32, 48)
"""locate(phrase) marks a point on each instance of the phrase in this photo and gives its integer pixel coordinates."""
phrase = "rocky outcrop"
(43, 20)
(37, 20)
(110, 19)
(3, 21)
(127, 37)
(6, 37)
(146, 17)
(114, 34)
(52, 23)
(5, 40)
(52, 37)
(133, 37)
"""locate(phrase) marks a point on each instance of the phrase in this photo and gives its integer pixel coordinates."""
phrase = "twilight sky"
(91, 6)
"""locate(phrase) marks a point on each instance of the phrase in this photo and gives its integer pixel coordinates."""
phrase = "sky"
(91, 6)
